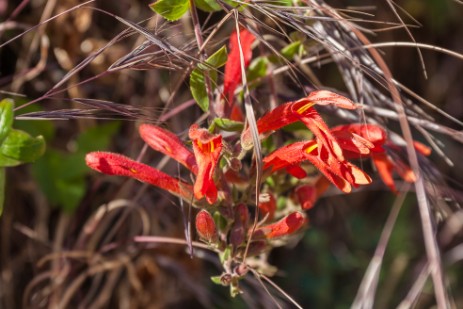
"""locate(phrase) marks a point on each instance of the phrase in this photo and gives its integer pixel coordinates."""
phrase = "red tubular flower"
(207, 149)
(382, 161)
(286, 226)
(169, 144)
(342, 174)
(302, 110)
(115, 164)
(373, 134)
(205, 226)
(233, 66)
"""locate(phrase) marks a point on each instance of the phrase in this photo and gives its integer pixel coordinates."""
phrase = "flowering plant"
(231, 220)
(223, 179)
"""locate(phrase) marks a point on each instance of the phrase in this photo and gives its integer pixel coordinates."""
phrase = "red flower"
(207, 149)
(115, 164)
(373, 134)
(233, 66)
(169, 144)
(342, 174)
(205, 226)
(302, 110)
(382, 161)
(202, 162)
(286, 226)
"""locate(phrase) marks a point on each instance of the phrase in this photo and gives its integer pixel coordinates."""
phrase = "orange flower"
(207, 149)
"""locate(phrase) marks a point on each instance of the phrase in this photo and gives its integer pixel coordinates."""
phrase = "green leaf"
(2, 189)
(19, 147)
(228, 125)
(197, 79)
(216, 60)
(171, 10)
(198, 89)
(257, 68)
(61, 175)
(6, 118)
(292, 49)
(207, 5)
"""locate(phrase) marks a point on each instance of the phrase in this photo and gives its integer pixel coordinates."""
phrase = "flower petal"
(207, 149)
(169, 144)
(116, 164)
(385, 168)
(306, 195)
(325, 97)
(232, 73)
(286, 226)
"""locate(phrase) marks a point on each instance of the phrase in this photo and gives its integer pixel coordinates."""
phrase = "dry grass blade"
(251, 120)
(367, 289)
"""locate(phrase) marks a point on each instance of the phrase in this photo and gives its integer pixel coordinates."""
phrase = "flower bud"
(205, 226)
(242, 214)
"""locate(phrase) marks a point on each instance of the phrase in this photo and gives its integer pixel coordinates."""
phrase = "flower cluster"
(224, 182)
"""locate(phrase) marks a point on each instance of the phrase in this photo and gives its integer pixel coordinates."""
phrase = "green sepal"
(216, 280)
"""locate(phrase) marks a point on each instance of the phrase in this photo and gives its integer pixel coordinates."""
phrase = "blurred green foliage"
(60, 173)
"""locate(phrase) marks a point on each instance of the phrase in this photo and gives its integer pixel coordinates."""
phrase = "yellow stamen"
(134, 171)
(311, 148)
(304, 108)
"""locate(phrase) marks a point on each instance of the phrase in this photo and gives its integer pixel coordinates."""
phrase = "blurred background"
(65, 233)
